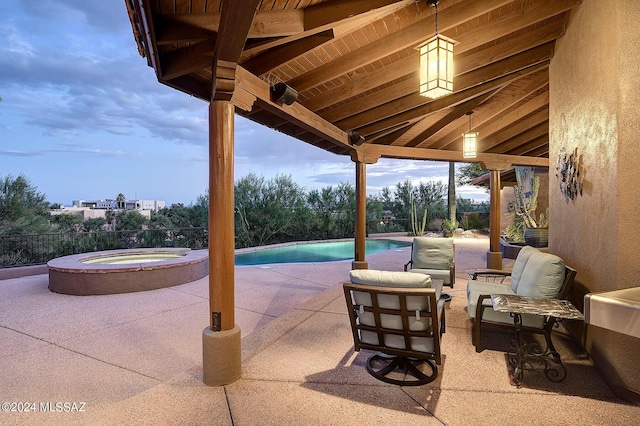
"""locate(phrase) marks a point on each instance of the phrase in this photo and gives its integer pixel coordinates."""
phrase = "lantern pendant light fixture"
(436, 63)
(469, 141)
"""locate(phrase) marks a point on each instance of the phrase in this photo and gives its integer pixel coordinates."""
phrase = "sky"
(83, 117)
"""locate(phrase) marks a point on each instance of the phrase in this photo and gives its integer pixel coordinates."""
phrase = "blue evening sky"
(84, 117)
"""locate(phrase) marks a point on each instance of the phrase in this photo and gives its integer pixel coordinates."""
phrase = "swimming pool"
(313, 252)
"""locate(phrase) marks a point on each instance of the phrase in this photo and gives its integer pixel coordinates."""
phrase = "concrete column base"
(494, 260)
(221, 356)
(359, 264)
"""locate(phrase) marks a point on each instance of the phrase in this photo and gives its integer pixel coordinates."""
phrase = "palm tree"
(451, 192)
(121, 199)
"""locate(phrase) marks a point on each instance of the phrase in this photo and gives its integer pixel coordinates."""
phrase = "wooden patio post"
(221, 339)
(359, 261)
(494, 256)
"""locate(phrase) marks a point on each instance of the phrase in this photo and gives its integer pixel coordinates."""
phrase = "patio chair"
(399, 315)
(534, 274)
(434, 257)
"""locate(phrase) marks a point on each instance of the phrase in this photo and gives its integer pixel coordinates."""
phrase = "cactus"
(525, 206)
(414, 220)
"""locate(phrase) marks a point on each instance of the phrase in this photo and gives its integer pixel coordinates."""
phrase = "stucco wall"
(594, 103)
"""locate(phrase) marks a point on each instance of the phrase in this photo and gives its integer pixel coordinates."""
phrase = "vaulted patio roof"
(354, 65)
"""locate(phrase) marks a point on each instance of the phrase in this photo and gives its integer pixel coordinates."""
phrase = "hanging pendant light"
(436, 63)
(470, 141)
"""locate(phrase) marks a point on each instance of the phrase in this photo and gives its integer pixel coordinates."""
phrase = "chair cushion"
(476, 288)
(390, 279)
(432, 253)
(542, 276)
(519, 264)
(436, 274)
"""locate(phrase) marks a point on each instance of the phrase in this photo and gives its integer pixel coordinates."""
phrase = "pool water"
(313, 252)
(124, 259)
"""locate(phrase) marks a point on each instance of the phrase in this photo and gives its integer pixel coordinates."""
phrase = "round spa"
(126, 271)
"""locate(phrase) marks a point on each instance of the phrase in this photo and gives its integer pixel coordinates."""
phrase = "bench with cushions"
(535, 274)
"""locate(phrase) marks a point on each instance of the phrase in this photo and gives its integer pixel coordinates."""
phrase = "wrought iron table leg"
(517, 353)
(554, 369)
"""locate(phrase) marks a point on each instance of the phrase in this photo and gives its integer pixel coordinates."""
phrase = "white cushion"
(389, 278)
(519, 264)
(542, 277)
(432, 253)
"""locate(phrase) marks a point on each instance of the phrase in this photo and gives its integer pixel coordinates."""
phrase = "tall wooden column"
(221, 217)
(494, 256)
(221, 344)
(359, 261)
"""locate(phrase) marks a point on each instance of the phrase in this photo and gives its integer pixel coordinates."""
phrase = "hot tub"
(126, 271)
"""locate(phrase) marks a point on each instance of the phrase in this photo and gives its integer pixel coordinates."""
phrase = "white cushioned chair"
(434, 257)
(535, 274)
(400, 315)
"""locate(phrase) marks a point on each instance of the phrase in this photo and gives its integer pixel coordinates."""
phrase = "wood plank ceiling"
(355, 67)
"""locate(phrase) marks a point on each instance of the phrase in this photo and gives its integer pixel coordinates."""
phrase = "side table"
(553, 311)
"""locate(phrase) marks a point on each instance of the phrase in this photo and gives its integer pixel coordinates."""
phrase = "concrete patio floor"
(137, 359)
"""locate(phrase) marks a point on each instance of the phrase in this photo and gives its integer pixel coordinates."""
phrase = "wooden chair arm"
(474, 274)
(480, 307)
(406, 265)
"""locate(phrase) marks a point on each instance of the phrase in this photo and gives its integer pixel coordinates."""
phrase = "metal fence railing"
(36, 249)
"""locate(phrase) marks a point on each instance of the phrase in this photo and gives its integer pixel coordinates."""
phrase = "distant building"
(91, 209)
(152, 205)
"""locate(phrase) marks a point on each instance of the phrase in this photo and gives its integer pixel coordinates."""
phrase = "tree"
(93, 224)
(130, 220)
(469, 171)
(121, 200)
(451, 195)
(267, 211)
(22, 208)
(67, 222)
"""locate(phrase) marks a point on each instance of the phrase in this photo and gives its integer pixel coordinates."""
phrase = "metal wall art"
(568, 174)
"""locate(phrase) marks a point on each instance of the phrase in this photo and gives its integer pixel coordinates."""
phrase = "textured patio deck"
(137, 359)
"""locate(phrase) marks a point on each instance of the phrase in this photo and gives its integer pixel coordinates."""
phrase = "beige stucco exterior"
(594, 107)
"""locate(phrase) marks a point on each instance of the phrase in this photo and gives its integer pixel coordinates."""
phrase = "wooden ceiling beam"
(347, 23)
(389, 105)
(509, 23)
(513, 63)
(279, 56)
(421, 140)
(355, 87)
(295, 113)
(235, 21)
(409, 37)
(329, 12)
(267, 23)
(508, 47)
(529, 134)
(187, 60)
(372, 150)
(483, 120)
(487, 144)
(536, 148)
(507, 119)
(172, 32)
(464, 64)
(415, 106)
(409, 65)
(423, 130)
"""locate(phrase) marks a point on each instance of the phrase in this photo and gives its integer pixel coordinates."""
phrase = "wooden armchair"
(399, 315)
